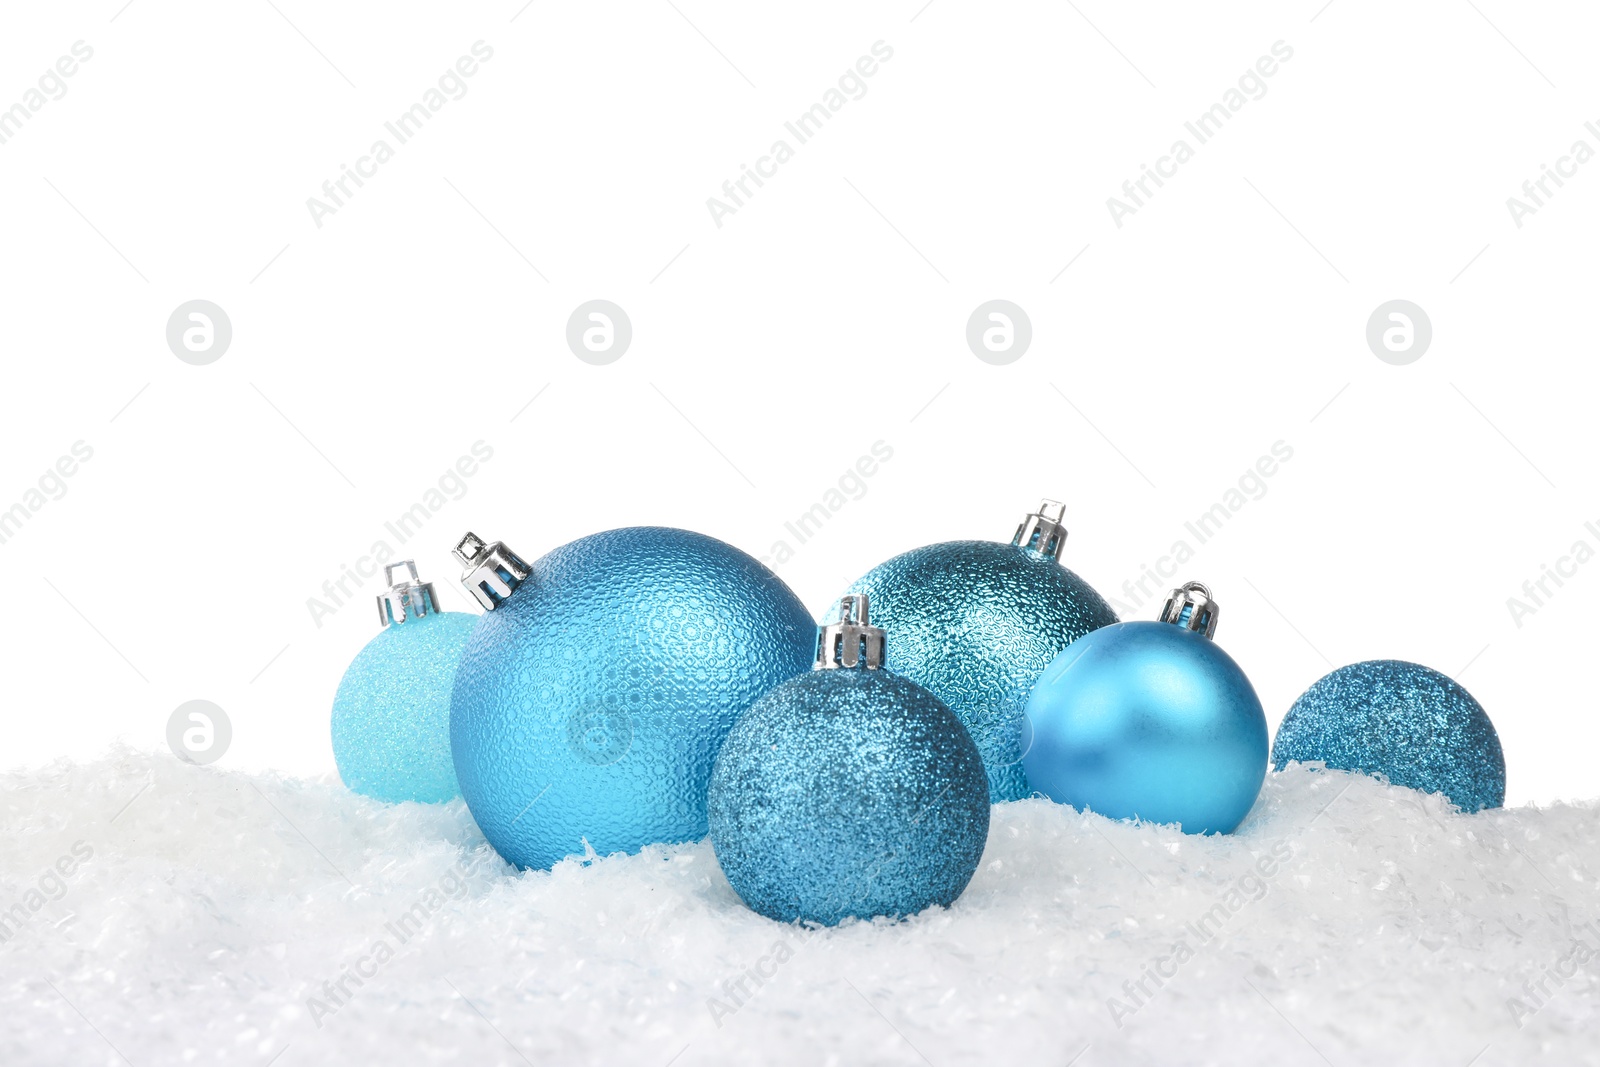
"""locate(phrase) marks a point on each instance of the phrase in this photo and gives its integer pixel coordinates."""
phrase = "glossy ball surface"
(1416, 727)
(590, 704)
(1149, 720)
(976, 623)
(391, 714)
(848, 792)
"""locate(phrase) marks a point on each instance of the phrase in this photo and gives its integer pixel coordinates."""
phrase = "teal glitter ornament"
(977, 622)
(848, 791)
(1151, 720)
(1412, 725)
(391, 714)
(597, 688)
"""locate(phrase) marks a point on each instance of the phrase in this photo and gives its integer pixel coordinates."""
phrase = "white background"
(828, 313)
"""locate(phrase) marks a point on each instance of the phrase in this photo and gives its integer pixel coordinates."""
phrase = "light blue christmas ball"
(1416, 727)
(977, 622)
(592, 700)
(391, 714)
(848, 792)
(1149, 720)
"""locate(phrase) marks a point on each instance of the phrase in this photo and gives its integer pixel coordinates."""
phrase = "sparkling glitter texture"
(848, 792)
(1407, 722)
(391, 715)
(976, 623)
(1150, 720)
(591, 703)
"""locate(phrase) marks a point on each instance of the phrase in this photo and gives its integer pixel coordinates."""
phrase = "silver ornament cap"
(409, 598)
(852, 641)
(493, 571)
(1191, 607)
(1043, 532)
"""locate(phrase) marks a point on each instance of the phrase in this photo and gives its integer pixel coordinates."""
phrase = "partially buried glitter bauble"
(848, 791)
(1409, 723)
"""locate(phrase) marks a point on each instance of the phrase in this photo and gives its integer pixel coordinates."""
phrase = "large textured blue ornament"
(594, 695)
(1413, 725)
(1151, 720)
(849, 791)
(391, 714)
(977, 622)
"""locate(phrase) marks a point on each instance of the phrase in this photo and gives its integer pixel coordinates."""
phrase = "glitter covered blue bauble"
(391, 714)
(1413, 725)
(848, 792)
(1151, 720)
(977, 622)
(593, 697)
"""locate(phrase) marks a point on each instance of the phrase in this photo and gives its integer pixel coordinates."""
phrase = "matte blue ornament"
(849, 790)
(1416, 727)
(391, 715)
(595, 692)
(977, 622)
(1151, 720)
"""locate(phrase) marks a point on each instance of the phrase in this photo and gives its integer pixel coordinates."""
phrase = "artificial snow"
(162, 913)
